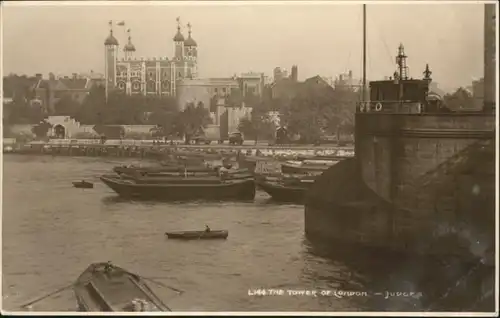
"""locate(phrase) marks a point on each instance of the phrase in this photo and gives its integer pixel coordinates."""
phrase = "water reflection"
(114, 199)
(395, 282)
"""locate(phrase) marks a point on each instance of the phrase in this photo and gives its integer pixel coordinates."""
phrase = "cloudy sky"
(321, 38)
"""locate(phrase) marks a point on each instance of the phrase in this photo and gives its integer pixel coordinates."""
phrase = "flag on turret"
(121, 23)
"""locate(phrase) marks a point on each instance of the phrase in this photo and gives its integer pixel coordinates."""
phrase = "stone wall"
(74, 129)
(428, 189)
(395, 150)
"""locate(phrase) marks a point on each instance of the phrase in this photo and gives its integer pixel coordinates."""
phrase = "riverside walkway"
(148, 148)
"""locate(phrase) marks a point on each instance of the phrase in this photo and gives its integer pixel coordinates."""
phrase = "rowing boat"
(198, 235)
(104, 287)
(83, 184)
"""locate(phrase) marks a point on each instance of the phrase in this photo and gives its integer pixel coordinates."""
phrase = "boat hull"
(83, 185)
(197, 235)
(296, 169)
(104, 288)
(283, 193)
(229, 190)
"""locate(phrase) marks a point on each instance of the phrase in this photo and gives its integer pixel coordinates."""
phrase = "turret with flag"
(122, 23)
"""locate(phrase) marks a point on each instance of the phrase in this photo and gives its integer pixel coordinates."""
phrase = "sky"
(235, 37)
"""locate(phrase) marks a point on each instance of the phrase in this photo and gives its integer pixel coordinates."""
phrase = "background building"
(49, 91)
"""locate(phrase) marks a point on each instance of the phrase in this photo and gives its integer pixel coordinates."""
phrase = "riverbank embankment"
(148, 149)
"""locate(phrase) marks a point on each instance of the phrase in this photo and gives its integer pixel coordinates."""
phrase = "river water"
(52, 232)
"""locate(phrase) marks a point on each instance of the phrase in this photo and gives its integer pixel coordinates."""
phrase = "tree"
(460, 99)
(21, 89)
(91, 111)
(21, 112)
(191, 121)
(259, 125)
(22, 86)
(305, 115)
(41, 129)
(66, 106)
(121, 109)
(340, 117)
(163, 113)
(317, 109)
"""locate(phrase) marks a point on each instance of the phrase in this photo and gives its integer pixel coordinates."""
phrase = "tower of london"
(156, 76)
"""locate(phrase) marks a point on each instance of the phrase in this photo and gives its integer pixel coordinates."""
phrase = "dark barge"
(287, 190)
(180, 189)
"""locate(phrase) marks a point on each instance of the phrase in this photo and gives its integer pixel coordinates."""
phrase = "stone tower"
(129, 48)
(179, 52)
(191, 55)
(110, 51)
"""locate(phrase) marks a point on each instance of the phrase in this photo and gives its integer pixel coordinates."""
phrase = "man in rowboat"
(207, 229)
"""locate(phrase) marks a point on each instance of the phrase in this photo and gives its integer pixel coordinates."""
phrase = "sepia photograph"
(249, 157)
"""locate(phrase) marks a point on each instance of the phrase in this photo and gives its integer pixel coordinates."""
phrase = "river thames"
(52, 232)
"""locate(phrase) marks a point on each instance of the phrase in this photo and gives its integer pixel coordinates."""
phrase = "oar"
(150, 279)
(161, 284)
(47, 296)
(199, 237)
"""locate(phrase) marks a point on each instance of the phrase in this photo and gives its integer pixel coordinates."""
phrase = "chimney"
(350, 74)
(294, 75)
(75, 76)
(52, 77)
(278, 75)
(38, 76)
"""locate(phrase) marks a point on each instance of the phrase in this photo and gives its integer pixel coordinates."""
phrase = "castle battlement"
(134, 74)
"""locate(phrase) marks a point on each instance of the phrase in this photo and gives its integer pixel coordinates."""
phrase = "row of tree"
(116, 109)
(460, 99)
(313, 112)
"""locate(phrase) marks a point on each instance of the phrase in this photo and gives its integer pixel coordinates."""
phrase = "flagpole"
(125, 41)
(125, 38)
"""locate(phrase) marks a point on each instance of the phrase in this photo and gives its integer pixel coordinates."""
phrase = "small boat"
(104, 287)
(284, 190)
(178, 188)
(83, 184)
(198, 235)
